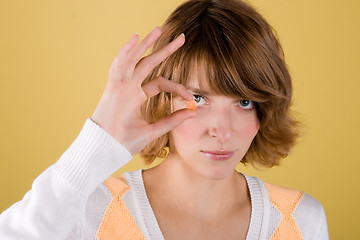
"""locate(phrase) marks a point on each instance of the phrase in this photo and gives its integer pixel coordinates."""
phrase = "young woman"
(224, 55)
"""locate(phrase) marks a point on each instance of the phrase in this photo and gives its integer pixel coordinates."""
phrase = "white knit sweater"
(69, 199)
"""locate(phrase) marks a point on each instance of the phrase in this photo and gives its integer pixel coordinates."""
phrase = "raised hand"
(118, 111)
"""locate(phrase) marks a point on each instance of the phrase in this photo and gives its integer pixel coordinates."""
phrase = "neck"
(193, 195)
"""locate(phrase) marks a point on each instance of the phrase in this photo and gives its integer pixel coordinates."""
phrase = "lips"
(218, 155)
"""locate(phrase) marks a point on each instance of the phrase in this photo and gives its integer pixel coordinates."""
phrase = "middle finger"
(146, 64)
(140, 49)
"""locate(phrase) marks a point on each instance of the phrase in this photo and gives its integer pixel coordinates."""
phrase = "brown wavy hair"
(243, 57)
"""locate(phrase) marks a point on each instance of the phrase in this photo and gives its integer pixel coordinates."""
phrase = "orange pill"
(191, 105)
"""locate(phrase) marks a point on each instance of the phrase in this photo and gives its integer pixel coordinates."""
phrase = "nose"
(220, 124)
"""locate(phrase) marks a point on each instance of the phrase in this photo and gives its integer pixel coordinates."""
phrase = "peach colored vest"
(118, 223)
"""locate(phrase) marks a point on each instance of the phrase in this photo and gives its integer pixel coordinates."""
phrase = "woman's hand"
(118, 111)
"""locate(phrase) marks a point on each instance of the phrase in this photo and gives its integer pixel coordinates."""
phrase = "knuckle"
(117, 62)
(126, 76)
(147, 65)
(183, 88)
(168, 51)
(158, 79)
(178, 88)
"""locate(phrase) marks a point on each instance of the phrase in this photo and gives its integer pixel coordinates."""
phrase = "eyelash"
(247, 109)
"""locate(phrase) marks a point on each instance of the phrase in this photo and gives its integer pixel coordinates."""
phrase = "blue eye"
(246, 104)
(198, 98)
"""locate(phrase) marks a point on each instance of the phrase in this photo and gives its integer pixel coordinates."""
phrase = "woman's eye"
(199, 99)
(247, 104)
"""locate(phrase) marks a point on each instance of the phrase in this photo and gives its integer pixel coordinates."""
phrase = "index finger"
(148, 63)
(161, 84)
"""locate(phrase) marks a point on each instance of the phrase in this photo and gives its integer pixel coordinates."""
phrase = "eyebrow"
(199, 91)
(206, 93)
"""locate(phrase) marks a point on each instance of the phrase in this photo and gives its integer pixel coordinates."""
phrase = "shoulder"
(289, 198)
(302, 212)
(282, 196)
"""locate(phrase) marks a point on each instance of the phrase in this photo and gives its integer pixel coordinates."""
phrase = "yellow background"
(54, 60)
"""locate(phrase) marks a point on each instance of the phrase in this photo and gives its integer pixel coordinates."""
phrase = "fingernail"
(182, 34)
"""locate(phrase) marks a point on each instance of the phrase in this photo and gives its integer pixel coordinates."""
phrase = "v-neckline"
(151, 223)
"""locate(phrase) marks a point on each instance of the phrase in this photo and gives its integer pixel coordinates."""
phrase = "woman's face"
(223, 123)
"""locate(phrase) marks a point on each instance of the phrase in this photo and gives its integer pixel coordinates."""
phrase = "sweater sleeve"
(322, 233)
(58, 196)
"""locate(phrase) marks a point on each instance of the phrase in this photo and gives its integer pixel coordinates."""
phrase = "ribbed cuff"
(91, 159)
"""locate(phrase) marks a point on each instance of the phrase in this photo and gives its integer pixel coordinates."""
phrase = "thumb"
(168, 123)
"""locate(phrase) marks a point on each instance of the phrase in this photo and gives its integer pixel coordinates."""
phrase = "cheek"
(187, 130)
(249, 127)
